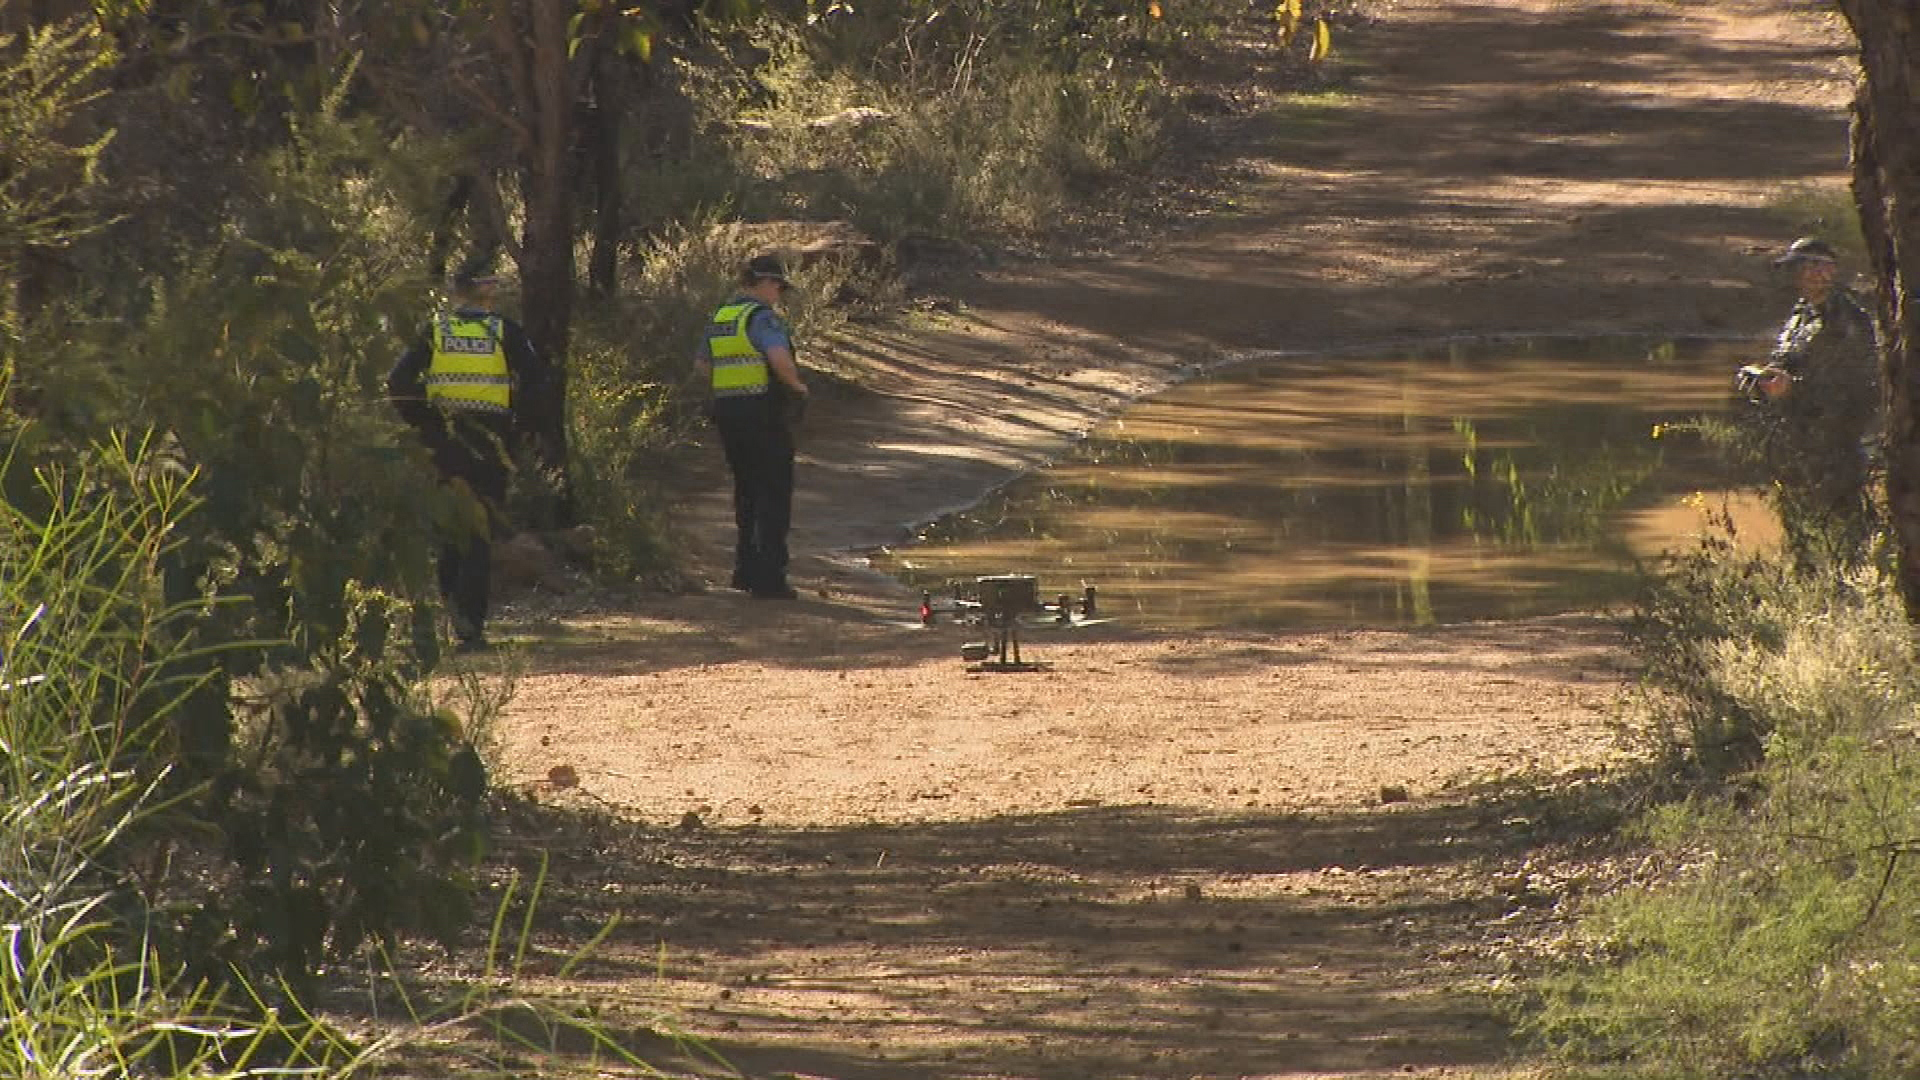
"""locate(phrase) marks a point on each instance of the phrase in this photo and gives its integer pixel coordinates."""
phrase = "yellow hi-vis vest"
(738, 368)
(469, 368)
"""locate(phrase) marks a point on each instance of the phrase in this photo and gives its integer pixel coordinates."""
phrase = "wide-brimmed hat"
(1807, 249)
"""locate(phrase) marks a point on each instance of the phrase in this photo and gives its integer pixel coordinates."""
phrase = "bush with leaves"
(47, 76)
(1782, 934)
(935, 45)
(96, 829)
(91, 660)
(975, 148)
(301, 754)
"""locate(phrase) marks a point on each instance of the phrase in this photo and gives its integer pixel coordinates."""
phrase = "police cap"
(765, 268)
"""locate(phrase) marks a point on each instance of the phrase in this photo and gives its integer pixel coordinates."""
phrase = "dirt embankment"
(1218, 855)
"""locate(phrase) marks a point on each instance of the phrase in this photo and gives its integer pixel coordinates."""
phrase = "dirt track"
(1171, 856)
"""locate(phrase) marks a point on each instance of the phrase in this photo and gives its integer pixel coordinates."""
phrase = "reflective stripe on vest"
(469, 368)
(738, 368)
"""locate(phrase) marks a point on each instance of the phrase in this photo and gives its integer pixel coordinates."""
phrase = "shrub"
(929, 47)
(1786, 938)
(973, 141)
(323, 799)
(96, 665)
(47, 75)
(96, 668)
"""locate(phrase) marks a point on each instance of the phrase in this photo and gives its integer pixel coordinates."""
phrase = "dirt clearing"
(1197, 855)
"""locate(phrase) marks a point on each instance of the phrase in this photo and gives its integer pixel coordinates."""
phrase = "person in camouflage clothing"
(1815, 406)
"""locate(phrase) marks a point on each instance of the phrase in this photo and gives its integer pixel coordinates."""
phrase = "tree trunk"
(451, 212)
(1887, 184)
(531, 38)
(603, 158)
(546, 242)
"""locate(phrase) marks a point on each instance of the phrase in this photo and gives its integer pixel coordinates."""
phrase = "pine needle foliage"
(47, 76)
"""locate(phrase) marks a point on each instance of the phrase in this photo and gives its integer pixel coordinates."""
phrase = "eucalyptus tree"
(1886, 180)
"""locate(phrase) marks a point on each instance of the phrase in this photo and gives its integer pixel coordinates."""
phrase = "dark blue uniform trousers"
(759, 451)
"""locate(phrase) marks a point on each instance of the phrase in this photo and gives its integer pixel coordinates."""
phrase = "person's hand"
(1762, 383)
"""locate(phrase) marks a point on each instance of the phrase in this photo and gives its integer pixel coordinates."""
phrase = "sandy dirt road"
(1195, 855)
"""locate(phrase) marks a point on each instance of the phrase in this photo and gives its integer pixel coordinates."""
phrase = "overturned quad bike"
(1002, 604)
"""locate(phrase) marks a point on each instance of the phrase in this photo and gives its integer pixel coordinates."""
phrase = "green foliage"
(983, 123)
(1712, 598)
(999, 155)
(46, 78)
(633, 403)
(620, 435)
(338, 797)
(1010, 156)
(1786, 937)
(1807, 478)
(1723, 592)
(97, 668)
(943, 44)
(302, 750)
(91, 659)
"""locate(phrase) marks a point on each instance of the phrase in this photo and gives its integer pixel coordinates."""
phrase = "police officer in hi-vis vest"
(758, 396)
(466, 386)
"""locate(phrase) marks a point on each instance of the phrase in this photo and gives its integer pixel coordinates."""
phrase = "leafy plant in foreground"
(1785, 939)
(322, 798)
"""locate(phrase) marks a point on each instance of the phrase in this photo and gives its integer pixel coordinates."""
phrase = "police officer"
(758, 396)
(1819, 400)
(464, 385)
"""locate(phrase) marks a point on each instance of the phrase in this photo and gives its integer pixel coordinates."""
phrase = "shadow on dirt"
(853, 636)
(1112, 942)
(677, 632)
(1563, 648)
(1483, 188)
